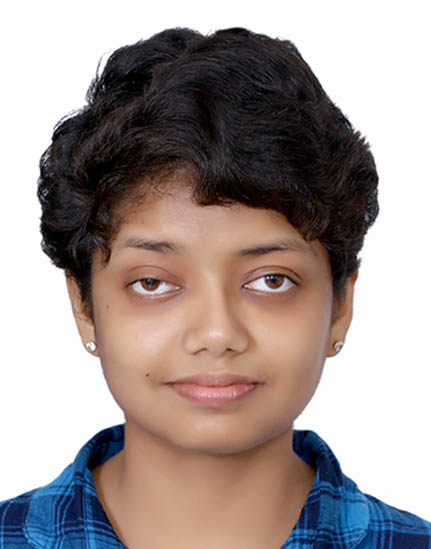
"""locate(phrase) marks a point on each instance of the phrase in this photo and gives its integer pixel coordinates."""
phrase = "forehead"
(171, 222)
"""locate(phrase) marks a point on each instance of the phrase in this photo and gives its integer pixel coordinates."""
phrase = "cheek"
(134, 349)
(301, 331)
(296, 346)
(133, 363)
(137, 356)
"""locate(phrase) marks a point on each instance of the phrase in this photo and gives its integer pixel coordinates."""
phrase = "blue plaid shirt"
(67, 514)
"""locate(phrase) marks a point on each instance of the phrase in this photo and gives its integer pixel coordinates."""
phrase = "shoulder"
(339, 513)
(25, 517)
(394, 528)
(65, 512)
(13, 514)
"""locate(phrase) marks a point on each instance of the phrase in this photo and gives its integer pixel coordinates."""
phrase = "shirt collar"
(68, 508)
(335, 508)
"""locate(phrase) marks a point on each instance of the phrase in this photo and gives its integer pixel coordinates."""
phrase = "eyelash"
(285, 277)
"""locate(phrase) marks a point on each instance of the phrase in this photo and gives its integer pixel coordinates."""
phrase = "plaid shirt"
(67, 514)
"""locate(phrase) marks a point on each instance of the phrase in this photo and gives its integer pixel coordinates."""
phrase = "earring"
(91, 346)
(338, 345)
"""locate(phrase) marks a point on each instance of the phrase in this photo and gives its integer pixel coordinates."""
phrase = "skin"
(190, 475)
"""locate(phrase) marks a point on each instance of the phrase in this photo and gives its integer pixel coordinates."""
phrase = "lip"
(214, 396)
(215, 380)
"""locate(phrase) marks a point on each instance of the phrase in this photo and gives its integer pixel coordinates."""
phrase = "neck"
(153, 489)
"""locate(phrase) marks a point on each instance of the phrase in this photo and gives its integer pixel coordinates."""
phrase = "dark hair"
(241, 112)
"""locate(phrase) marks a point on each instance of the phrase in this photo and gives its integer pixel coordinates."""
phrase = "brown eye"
(149, 283)
(276, 282)
(150, 286)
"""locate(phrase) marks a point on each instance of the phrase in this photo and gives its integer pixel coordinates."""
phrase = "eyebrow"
(164, 246)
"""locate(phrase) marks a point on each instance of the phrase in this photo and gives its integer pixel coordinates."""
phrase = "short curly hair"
(242, 112)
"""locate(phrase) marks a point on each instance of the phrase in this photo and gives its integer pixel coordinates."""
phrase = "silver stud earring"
(338, 345)
(91, 346)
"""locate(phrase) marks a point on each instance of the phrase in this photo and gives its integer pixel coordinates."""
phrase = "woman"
(208, 206)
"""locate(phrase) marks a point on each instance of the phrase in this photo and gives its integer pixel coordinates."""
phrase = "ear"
(84, 323)
(342, 316)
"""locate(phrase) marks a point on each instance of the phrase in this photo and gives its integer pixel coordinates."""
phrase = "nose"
(212, 324)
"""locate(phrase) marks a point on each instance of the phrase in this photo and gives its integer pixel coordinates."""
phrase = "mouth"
(214, 390)
(215, 380)
(213, 396)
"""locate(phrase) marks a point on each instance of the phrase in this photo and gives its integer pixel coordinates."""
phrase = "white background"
(373, 406)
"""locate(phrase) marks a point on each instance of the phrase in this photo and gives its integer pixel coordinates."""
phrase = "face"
(233, 290)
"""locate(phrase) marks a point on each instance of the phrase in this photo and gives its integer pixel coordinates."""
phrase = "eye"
(274, 283)
(150, 286)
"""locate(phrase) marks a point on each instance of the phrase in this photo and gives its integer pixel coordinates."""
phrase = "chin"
(215, 443)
